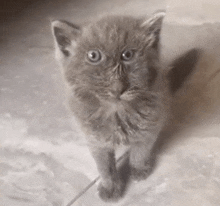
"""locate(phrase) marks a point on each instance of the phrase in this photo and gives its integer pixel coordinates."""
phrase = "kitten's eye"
(94, 56)
(127, 55)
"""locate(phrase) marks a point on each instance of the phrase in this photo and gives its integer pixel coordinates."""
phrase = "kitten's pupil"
(127, 55)
(94, 56)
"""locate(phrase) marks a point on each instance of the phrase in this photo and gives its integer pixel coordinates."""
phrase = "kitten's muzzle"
(119, 83)
(118, 87)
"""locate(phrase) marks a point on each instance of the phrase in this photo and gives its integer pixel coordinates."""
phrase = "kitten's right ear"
(65, 35)
(153, 26)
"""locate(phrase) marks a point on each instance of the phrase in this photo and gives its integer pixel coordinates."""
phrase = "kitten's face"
(112, 57)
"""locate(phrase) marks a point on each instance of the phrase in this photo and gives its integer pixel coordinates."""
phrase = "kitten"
(118, 91)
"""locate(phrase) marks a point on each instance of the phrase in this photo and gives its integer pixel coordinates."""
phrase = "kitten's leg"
(110, 188)
(141, 160)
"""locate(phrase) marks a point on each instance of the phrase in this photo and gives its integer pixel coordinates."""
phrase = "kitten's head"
(111, 56)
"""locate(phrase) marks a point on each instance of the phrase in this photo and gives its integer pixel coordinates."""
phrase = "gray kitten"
(118, 91)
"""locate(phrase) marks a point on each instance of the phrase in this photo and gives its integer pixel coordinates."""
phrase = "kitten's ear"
(153, 26)
(65, 35)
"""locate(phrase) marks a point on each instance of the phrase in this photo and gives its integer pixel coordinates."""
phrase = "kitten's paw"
(111, 194)
(140, 174)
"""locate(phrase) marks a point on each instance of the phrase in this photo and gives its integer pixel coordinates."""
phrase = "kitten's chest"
(122, 123)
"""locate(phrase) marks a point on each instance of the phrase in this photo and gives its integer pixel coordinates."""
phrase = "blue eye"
(94, 56)
(127, 55)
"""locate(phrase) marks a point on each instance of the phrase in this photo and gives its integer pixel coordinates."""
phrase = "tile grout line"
(93, 182)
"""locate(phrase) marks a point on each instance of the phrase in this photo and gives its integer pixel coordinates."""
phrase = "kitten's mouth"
(129, 95)
(132, 94)
(126, 95)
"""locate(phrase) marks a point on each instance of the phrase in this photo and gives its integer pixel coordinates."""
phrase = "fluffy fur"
(116, 101)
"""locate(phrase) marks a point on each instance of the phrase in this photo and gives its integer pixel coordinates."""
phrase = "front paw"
(140, 174)
(111, 194)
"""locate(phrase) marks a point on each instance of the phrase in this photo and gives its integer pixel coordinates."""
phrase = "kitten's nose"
(118, 87)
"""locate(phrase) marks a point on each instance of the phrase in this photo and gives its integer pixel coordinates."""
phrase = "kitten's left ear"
(65, 35)
(153, 26)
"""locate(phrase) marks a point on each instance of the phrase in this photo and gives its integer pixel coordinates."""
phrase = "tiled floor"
(44, 158)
